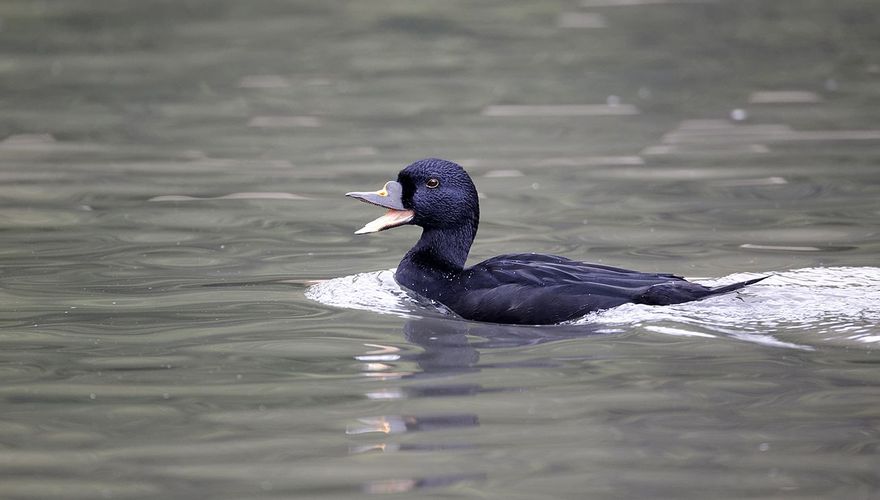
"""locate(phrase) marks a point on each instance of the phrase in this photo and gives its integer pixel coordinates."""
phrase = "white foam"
(834, 303)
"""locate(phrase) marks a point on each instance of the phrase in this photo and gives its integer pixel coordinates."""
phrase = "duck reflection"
(453, 346)
(396, 424)
(449, 348)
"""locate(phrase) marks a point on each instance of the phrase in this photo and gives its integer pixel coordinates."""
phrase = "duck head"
(432, 193)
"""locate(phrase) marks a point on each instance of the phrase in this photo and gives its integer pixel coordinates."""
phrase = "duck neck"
(443, 250)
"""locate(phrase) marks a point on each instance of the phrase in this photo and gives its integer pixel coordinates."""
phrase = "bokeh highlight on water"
(187, 314)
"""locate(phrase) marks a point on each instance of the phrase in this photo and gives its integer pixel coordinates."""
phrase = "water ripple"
(374, 291)
(836, 304)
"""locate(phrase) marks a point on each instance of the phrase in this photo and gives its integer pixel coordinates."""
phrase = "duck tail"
(677, 292)
(735, 286)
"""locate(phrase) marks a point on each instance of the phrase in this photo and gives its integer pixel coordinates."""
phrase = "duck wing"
(546, 289)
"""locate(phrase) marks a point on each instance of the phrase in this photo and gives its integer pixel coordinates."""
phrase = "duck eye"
(432, 183)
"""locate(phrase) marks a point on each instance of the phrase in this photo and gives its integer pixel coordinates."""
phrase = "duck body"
(528, 288)
(541, 289)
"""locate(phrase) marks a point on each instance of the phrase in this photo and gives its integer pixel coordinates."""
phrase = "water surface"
(187, 314)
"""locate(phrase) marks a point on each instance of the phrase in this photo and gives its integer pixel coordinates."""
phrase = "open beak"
(388, 197)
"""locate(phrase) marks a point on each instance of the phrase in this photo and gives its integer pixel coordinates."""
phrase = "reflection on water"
(171, 179)
(450, 348)
(613, 409)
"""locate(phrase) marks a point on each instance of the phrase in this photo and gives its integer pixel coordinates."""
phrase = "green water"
(171, 180)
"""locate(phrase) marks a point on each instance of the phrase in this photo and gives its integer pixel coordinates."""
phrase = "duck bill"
(392, 218)
(388, 197)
